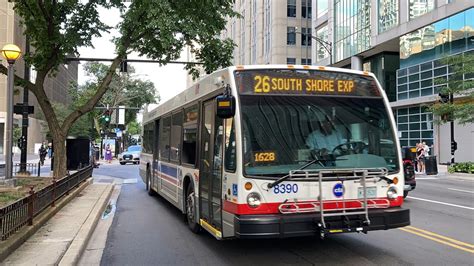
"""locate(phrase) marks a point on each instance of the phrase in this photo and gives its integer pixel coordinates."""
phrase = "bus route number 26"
(285, 188)
(262, 84)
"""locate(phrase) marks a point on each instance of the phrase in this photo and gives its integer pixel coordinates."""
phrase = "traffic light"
(454, 146)
(443, 97)
(105, 118)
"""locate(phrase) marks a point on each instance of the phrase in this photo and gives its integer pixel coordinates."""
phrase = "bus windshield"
(283, 133)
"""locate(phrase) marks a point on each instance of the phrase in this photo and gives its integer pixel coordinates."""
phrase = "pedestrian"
(108, 154)
(420, 157)
(426, 149)
(50, 150)
(43, 151)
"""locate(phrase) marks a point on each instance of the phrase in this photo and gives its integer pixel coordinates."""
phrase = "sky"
(169, 80)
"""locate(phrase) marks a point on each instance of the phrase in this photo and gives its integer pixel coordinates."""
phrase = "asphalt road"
(150, 231)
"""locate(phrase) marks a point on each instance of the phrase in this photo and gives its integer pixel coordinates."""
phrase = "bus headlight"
(254, 200)
(392, 193)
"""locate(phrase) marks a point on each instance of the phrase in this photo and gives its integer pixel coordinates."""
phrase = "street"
(148, 230)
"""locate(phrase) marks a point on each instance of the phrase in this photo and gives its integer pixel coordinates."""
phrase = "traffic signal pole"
(453, 142)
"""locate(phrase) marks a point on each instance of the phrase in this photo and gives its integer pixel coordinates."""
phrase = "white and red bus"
(278, 151)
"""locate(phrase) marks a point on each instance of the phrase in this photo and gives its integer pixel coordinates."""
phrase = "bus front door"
(210, 168)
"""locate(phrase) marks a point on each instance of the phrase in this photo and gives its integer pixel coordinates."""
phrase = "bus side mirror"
(225, 106)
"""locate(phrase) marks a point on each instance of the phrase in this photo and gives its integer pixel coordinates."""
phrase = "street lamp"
(11, 53)
(325, 44)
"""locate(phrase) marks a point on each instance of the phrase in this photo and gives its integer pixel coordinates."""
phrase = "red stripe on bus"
(272, 207)
(169, 179)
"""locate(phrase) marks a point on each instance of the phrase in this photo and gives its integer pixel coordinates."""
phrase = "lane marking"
(443, 203)
(461, 190)
(441, 236)
(411, 231)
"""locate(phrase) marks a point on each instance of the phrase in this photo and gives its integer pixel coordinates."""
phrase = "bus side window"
(188, 153)
(230, 151)
(176, 133)
(165, 139)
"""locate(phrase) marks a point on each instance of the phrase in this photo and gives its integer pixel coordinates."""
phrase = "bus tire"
(191, 209)
(149, 189)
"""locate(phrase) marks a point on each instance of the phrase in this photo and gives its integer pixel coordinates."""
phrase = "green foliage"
(157, 29)
(460, 83)
(125, 89)
(133, 128)
(57, 28)
(467, 167)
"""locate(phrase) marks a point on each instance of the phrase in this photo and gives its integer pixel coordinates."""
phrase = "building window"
(388, 14)
(254, 32)
(290, 36)
(306, 36)
(352, 30)
(305, 61)
(267, 30)
(420, 7)
(322, 34)
(415, 124)
(242, 38)
(291, 61)
(306, 8)
(321, 7)
(291, 8)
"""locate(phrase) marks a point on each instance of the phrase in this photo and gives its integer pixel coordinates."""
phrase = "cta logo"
(338, 190)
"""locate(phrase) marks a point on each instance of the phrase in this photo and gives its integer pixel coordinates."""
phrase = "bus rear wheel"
(150, 190)
(191, 209)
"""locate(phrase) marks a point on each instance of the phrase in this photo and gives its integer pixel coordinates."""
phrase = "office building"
(402, 42)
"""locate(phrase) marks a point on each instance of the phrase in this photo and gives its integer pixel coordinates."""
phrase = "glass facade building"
(388, 14)
(352, 27)
(421, 70)
(420, 7)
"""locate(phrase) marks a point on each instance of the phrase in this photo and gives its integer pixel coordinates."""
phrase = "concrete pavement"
(62, 239)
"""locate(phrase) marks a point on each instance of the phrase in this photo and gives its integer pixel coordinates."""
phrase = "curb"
(79, 243)
(17, 239)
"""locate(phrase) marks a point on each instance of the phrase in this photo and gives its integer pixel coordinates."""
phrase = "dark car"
(410, 181)
(132, 155)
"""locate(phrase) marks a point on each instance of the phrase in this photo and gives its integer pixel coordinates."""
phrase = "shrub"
(466, 167)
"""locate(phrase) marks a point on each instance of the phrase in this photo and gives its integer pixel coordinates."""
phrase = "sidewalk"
(62, 239)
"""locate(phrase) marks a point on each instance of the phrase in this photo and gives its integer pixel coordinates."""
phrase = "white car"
(132, 155)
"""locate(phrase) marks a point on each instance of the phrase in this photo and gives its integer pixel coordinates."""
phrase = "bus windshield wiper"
(283, 178)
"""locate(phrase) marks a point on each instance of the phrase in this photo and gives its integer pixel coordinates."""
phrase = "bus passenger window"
(176, 133)
(230, 154)
(165, 139)
(188, 153)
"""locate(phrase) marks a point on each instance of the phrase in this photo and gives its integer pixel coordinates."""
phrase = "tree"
(124, 89)
(461, 84)
(158, 29)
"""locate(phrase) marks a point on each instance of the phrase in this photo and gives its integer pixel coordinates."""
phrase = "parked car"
(132, 155)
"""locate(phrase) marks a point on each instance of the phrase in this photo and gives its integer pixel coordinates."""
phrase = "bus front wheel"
(191, 209)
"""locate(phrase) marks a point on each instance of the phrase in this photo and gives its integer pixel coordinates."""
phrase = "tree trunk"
(60, 167)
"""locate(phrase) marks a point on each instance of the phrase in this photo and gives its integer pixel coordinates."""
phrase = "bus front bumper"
(295, 225)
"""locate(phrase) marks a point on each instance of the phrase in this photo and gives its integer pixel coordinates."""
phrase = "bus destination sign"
(304, 82)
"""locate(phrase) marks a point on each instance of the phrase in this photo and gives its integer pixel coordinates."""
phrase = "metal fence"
(22, 211)
(33, 169)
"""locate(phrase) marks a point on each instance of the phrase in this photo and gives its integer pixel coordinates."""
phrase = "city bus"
(277, 151)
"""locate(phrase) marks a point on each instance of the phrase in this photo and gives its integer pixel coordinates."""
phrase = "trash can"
(431, 166)
(77, 153)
